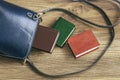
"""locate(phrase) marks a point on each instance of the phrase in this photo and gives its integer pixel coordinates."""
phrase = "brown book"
(46, 39)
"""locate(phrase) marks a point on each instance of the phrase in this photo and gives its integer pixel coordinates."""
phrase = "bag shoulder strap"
(109, 26)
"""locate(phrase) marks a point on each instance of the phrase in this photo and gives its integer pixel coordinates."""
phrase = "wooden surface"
(62, 60)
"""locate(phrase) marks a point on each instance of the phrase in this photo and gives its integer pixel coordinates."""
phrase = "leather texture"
(17, 30)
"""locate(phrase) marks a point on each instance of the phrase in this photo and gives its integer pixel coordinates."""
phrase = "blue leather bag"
(18, 27)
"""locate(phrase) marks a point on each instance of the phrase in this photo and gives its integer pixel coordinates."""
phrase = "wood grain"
(62, 60)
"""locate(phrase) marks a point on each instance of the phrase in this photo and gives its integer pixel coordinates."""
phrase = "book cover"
(65, 28)
(46, 39)
(83, 43)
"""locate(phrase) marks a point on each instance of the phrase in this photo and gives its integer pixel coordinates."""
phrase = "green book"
(65, 28)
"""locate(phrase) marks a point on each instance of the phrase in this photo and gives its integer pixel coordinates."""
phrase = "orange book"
(83, 43)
